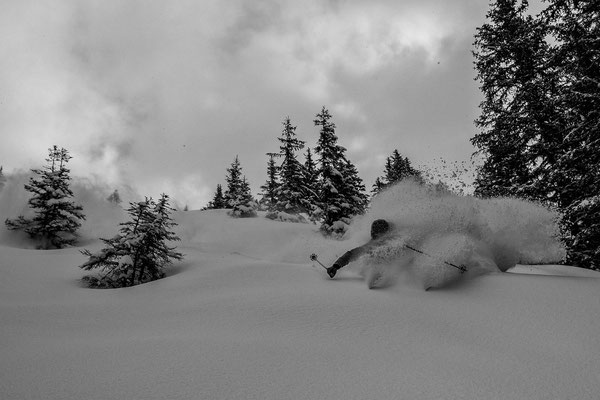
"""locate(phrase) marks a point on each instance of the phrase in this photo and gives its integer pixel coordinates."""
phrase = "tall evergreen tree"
(574, 179)
(56, 218)
(540, 114)
(517, 113)
(291, 193)
(140, 252)
(339, 181)
(269, 189)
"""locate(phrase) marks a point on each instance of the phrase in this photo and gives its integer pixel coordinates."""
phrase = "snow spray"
(485, 235)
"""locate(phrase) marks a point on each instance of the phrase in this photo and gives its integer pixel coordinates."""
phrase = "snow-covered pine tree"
(291, 193)
(56, 217)
(140, 251)
(114, 198)
(234, 183)
(335, 195)
(244, 205)
(218, 201)
(311, 181)
(268, 195)
(354, 189)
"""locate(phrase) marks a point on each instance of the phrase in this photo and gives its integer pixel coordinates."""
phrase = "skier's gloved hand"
(332, 270)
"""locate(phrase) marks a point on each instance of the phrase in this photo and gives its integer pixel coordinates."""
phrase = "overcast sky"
(162, 95)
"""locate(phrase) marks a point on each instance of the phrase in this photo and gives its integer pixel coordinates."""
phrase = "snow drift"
(247, 316)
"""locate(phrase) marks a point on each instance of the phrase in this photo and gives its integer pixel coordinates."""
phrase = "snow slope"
(247, 316)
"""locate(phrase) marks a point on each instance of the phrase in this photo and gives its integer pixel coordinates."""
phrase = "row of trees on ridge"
(326, 187)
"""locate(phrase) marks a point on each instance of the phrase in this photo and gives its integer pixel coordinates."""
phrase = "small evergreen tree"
(354, 189)
(114, 198)
(234, 183)
(140, 251)
(244, 205)
(2, 178)
(218, 201)
(56, 218)
(311, 181)
(269, 189)
(378, 186)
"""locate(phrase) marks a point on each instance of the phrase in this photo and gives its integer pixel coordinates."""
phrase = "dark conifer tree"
(311, 180)
(56, 218)
(574, 180)
(291, 193)
(218, 201)
(354, 190)
(140, 252)
(540, 118)
(269, 189)
(517, 112)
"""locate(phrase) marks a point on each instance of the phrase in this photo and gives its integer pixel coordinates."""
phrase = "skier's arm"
(350, 256)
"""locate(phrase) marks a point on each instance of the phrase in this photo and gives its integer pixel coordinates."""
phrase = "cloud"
(163, 95)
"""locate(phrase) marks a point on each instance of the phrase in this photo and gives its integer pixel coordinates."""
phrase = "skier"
(379, 229)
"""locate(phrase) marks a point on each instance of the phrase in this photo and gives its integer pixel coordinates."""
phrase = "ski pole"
(313, 257)
(462, 267)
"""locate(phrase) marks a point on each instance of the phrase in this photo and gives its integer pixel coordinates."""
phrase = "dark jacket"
(356, 253)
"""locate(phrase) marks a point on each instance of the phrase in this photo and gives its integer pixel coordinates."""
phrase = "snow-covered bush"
(244, 209)
(139, 252)
(285, 217)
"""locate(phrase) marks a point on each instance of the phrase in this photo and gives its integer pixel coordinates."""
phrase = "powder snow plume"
(484, 235)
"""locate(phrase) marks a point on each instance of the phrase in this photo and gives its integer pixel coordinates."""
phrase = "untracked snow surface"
(248, 316)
